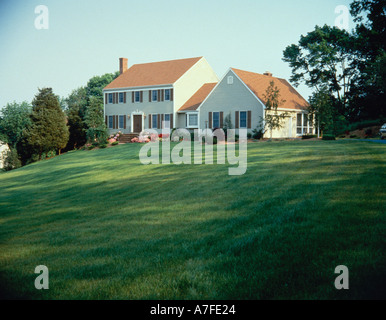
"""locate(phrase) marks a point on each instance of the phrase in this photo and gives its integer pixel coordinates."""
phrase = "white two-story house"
(149, 95)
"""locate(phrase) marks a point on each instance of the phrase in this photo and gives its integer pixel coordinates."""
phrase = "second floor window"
(167, 94)
(154, 95)
(110, 98)
(121, 97)
(137, 96)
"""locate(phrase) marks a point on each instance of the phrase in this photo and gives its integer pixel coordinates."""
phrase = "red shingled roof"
(194, 102)
(258, 83)
(154, 73)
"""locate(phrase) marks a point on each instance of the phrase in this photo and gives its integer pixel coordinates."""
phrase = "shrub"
(257, 133)
(102, 146)
(11, 160)
(115, 143)
(309, 136)
(328, 137)
(249, 135)
(353, 136)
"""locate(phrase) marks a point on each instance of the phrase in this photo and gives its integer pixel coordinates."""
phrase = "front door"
(137, 123)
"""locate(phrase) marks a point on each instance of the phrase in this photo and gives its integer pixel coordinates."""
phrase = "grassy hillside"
(108, 227)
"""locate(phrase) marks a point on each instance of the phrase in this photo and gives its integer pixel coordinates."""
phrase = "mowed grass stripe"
(108, 227)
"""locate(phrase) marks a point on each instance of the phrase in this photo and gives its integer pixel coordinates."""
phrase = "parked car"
(382, 132)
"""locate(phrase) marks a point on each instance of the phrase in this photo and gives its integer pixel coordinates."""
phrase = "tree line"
(346, 70)
(50, 125)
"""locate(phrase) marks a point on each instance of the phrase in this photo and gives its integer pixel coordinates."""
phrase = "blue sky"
(86, 38)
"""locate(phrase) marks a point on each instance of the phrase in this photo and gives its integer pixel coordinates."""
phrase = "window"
(154, 95)
(121, 122)
(192, 120)
(137, 96)
(110, 98)
(111, 122)
(230, 79)
(121, 97)
(154, 121)
(167, 123)
(299, 123)
(167, 94)
(243, 119)
(310, 124)
(304, 124)
(216, 120)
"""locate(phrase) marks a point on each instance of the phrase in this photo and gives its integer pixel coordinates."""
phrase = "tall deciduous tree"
(324, 58)
(96, 84)
(15, 117)
(368, 95)
(273, 119)
(48, 131)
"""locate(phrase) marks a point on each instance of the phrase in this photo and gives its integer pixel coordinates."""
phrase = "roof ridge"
(171, 60)
(260, 74)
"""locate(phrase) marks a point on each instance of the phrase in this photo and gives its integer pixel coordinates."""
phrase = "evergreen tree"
(96, 127)
(77, 129)
(48, 131)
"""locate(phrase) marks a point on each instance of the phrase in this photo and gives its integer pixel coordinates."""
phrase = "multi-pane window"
(137, 96)
(121, 122)
(111, 122)
(121, 97)
(193, 120)
(310, 124)
(304, 124)
(154, 95)
(154, 121)
(216, 119)
(110, 98)
(167, 94)
(243, 119)
(167, 123)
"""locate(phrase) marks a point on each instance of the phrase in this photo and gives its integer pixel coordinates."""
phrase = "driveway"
(371, 140)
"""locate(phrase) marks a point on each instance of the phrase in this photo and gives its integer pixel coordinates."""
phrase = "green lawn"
(108, 227)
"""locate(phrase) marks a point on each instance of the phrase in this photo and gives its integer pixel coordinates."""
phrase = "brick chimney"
(122, 65)
(267, 73)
